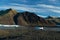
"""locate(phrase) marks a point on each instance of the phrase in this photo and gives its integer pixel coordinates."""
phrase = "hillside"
(11, 17)
(31, 19)
(6, 16)
(56, 20)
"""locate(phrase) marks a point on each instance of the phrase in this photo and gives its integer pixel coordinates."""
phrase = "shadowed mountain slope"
(31, 19)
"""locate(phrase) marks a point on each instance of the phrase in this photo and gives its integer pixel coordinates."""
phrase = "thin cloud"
(42, 16)
(14, 4)
(38, 8)
(24, 5)
(21, 1)
(56, 11)
(25, 1)
(50, 8)
(52, 0)
(23, 8)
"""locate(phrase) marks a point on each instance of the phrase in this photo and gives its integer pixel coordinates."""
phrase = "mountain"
(55, 20)
(12, 17)
(6, 16)
(31, 19)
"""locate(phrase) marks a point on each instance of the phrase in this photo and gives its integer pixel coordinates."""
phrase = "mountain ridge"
(12, 17)
(31, 19)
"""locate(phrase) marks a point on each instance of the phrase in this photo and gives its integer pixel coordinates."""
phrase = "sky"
(40, 7)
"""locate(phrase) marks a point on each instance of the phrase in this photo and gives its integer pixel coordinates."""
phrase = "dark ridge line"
(15, 18)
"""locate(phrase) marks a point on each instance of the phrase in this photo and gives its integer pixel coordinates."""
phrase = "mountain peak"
(29, 14)
(3, 12)
(6, 16)
(30, 19)
(8, 10)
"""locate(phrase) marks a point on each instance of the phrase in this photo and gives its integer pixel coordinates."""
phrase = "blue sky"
(40, 7)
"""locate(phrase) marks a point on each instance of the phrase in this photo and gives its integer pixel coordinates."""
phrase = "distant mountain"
(6, 16)
(55, 20)
(12, 17)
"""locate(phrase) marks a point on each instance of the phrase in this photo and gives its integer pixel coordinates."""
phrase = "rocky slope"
(6, 16)
(12, 17)
(55, 20)
(31, 19)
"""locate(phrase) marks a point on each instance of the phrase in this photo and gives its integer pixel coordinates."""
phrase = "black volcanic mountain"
(11, 17)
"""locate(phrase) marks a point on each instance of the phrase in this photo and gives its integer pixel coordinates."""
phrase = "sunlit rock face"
(6, 16)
